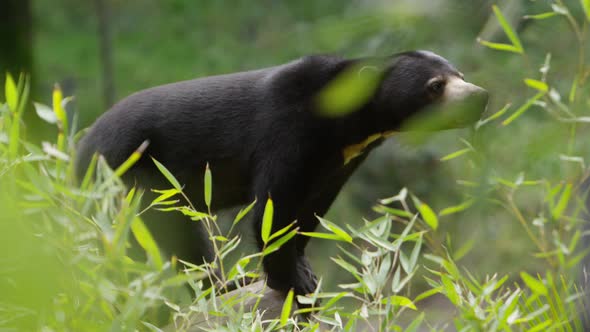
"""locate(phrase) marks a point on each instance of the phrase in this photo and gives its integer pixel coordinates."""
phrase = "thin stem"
(528, 230)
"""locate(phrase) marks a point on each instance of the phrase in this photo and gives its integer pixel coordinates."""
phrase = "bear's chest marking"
(352, 151)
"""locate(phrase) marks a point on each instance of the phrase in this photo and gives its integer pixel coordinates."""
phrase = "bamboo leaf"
(11, 93)
(426, 212)
(415, 254)
(500, 46)
(428, 293)
(586, 6)
(45, 113)
(281, 231)
(243, 212)
(58, 109)
(558, 210)
(415, 325)
(534, 284)
(335, 229)
(167, 174)
(541, 16)
(187, 211)
(346, 266)
(457, 208)
(133, 158)
(522, 109)
(455, 154)
(537, 85)
(24, 96)
(267, 221)
(287, 305)
(541, 326)
(147, 242)
(508, 29)
(164, 195)
(14, 137)
(401, 301)
(325, 236)
(493, 116)
(450, 291)
(574, 88)
(276, 245)
(208, 186)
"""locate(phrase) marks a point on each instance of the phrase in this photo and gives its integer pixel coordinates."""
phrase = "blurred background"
(103, 50)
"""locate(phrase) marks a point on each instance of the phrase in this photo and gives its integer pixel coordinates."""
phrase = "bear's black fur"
(261, 133)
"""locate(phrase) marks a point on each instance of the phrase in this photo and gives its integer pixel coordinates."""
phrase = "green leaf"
(536, 84)
(11, 92)
(541, 326)
(426, 212)
(450, 290)
(413, 327)
(281, 231)
(24, 97)
(500, 46)
(393, 211)
(415, 253)
(208, 186)
(401, 301)
(335, 229)
(541, 16)
(152, 327)
(187, 211)
(89, 172)
(243, 212)
(493, 116)
(60, 113)
(457, 208)
(14, 137)
(586, 6)
(522, 109)
(164, 195)
(428, 293)
(558, 210)
(276, 245)
(508, 29)
(267, 221)
(326, 236)
(351, 89)
(133, 158)
(455, 154)
(287, 305)
(574, 88)
(167, 174)
(45, 113)
(534, 284)
(346, 266)
(147, 242)
(464, 249)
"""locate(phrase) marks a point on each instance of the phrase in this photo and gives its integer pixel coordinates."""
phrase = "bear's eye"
(436, 87)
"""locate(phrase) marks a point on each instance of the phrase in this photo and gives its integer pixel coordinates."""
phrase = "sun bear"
(263, 134)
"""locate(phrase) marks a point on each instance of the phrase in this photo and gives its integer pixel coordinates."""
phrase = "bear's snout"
(480, 97)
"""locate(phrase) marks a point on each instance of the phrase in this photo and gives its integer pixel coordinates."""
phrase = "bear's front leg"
(286, 268)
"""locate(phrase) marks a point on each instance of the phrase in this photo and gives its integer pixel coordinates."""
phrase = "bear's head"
(423, 88)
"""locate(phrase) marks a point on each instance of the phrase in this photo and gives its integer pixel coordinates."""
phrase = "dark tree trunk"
(106, 54)
(16, 52)
(16, 57)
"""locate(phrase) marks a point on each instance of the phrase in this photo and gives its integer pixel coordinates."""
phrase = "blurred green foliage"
(512, 185)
